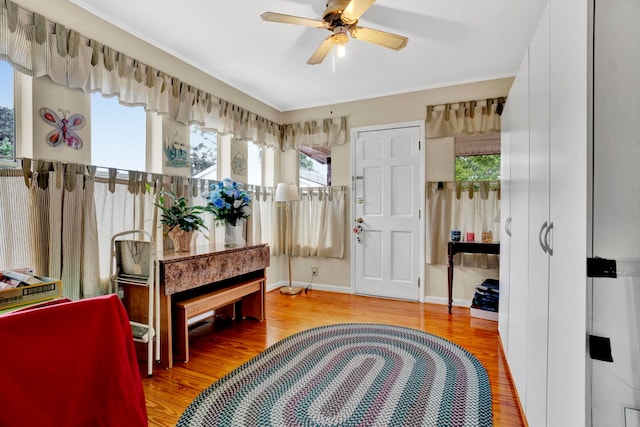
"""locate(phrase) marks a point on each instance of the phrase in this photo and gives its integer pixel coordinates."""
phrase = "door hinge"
(418, 283)
(419, 214)
(419, 145)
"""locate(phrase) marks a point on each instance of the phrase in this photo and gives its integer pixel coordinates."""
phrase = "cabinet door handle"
(543, 245)
(546, 239)
(507, 226)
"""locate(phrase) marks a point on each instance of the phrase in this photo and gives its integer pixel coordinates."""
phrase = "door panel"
(538, 293)
(372, 192)
(568, 29)
(505, 238)
(518, 288)
(372, 256)
(387, 199)
(401, 265)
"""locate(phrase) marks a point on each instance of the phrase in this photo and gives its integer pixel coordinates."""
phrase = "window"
(7, 117)
(204, 153)
(478, 168)
(314, 166)
(254, 164)
(118, 134)
(478, 158)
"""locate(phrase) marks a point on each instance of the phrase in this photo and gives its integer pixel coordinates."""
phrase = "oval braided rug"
(350, 375)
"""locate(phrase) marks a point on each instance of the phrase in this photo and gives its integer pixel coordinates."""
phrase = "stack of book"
(485, 300)
(17, 278)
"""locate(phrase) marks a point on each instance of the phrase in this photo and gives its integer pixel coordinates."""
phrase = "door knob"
(359, 220)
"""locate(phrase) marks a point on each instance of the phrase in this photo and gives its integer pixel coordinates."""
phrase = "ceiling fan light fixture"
(341, 51)
(340, 38)
(341, 18)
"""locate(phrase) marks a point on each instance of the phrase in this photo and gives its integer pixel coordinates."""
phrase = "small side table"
(471, 248)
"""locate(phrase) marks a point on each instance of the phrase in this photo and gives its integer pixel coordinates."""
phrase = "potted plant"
(229, 203)
(180, 220)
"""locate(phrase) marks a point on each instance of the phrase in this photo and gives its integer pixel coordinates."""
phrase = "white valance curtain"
(327, 132)
(39, 47)
(464, 118)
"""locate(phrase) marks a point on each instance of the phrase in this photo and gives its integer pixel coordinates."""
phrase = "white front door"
(387, 207)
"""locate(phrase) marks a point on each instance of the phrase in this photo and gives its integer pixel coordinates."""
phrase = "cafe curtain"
(16, 244)
(468, 207)
(62, 226)
(318, 223)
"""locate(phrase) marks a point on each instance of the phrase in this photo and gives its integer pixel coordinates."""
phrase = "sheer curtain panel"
(318, 223)
(456, 207)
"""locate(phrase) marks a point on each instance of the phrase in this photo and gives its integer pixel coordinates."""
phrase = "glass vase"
(229, 235)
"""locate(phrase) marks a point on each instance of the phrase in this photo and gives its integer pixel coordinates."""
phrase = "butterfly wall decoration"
(65, 128)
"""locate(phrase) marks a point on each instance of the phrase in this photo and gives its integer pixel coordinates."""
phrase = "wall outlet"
(314, 271)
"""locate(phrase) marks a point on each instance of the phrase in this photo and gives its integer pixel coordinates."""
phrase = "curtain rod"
(466, 183)
(164, 179)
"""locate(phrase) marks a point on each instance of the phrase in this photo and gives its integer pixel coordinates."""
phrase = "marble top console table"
(203, 269)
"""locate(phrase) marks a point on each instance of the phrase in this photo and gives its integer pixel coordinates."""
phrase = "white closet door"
(505, 219)
(518, 288)
(538, 291)
(569, 69)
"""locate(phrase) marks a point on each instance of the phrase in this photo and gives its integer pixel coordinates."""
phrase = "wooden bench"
(250, 292)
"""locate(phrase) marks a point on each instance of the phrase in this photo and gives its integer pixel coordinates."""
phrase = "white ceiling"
(450, 42)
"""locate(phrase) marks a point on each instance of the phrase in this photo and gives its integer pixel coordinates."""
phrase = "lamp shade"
(286, 192)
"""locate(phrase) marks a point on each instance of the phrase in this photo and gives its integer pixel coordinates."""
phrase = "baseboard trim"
(344, 290)
(444, 301)
(314, 286)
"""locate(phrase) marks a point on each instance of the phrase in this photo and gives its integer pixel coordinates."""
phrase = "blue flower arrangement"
(228, 201)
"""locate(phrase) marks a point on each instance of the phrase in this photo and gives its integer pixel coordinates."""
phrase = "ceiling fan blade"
(381, 38)
(355, 9)
(322, 51)
(289, 19)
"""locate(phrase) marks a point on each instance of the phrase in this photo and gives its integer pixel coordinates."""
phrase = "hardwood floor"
(217, 348)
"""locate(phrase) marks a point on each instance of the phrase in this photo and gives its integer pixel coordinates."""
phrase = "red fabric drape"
(70, 364)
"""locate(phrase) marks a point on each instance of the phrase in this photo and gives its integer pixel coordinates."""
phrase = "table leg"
(450, 284)
(166, 335)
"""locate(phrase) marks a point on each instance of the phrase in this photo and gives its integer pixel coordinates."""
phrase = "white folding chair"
(133, 263)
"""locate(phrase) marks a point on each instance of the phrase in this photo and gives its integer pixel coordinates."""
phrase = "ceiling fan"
(341, 18)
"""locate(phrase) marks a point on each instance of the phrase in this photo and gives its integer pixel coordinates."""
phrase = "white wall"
(56, 97)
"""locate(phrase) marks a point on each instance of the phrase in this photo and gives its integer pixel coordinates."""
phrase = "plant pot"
(181, 239)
